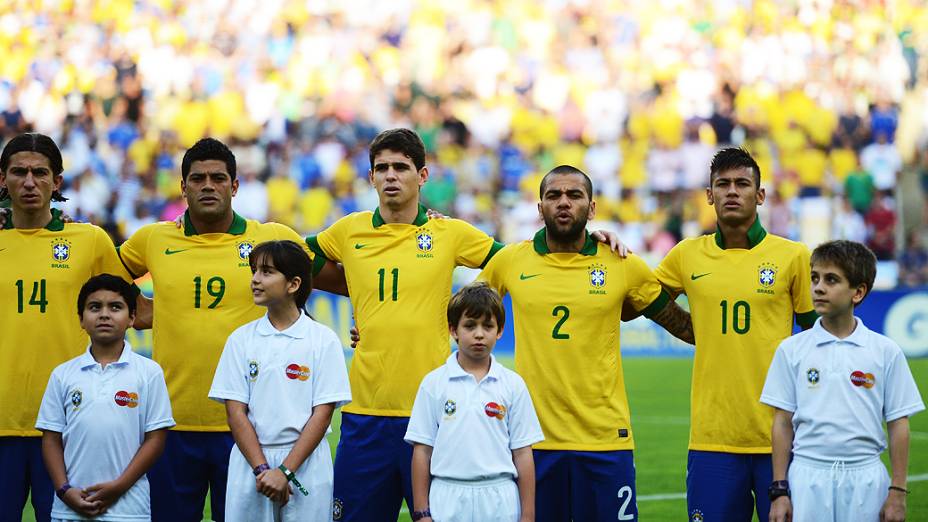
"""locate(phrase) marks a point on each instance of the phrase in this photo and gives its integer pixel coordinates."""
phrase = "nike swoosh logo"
(359, 246)
(169, 252)
(695, 277)
(524, 277)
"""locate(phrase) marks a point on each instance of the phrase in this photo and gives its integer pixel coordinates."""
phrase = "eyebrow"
(396, 165)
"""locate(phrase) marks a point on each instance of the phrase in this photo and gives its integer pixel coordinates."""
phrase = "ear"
(370, 176)
(294, 284)
(709, 197)
(58, 180)
(761, 196)
(454, 332)
(540, 213)
(423, 175)
(499, 333)
(183, 188)
(234, 186)
(592, 211)
(859, 293)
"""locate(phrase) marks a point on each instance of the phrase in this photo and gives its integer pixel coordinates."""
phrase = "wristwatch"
(779, 488)
(419, 515)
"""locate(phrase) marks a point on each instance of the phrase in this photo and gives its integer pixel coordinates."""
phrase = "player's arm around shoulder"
(646, 296)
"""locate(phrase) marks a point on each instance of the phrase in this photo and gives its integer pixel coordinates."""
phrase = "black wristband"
(419, 515)
(897, 488)
(260, 468)
(62, 490)
(779, 488)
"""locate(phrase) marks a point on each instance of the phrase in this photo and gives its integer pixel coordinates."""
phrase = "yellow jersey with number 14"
(399, 282)
(742, 303)
(566, 314)
(41, 273)
(202, 285)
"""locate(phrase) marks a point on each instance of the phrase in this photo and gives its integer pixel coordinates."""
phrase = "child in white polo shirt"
(281, 378)
(104, 414)
(473, 425)
(833, 386)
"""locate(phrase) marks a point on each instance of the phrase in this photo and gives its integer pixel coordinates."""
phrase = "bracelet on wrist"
(291, 478)
(260, 468)
(899, 489)
(419, 515)
(62, 490)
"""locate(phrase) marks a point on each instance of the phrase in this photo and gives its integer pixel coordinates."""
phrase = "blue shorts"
(728, 486)
(192, 463)
(585, 485)
(373, 469)
(22, 470)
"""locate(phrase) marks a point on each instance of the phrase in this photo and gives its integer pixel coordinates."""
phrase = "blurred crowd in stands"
(830, 96)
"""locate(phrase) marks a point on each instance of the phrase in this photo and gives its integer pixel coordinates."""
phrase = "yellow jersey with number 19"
(41, 273)
(399, 282)
(566, 314)
(202, 285)
(742, 303)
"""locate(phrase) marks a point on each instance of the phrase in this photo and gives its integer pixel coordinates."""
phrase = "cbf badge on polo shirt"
(813, 376)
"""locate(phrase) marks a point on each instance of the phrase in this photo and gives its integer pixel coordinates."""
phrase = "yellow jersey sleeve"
(330, 241)
(132, 251)
(668, 272)
(644, 290)
(107, 260)
(475, 248)
(494, 272)
(801, 288)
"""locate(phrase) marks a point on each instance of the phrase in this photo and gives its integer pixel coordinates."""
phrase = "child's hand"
(74, 499)
(894, 507)
(274, 485)
(781, 510)
(105, 493)
(527, 518)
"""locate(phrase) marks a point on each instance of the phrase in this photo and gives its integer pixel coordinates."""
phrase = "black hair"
(289, 259)
(854, 259)
(565, 170)
(33, 142)
(733, 158)
(477, 299)
(109, 282)
(404, 141)
(208, 149)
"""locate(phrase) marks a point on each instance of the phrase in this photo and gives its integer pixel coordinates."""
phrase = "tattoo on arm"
(677, 321)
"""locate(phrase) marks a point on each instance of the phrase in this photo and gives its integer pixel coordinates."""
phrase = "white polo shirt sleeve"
(423, 422)
(330, 382)
(230, 380)
(158, 406)
(524, 428)
(52, 416)
(780, 387)
(901, 397)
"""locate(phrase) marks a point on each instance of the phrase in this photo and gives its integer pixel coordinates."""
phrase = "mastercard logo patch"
(296, 371)
(493, 409)
(127, 399)
(859, 378)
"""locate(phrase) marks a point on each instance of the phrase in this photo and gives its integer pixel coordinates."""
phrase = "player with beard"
(567, 297)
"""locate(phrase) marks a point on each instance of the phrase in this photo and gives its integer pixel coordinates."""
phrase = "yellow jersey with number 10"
(202, 286)
(41, 273)
(566, 314)
(742, 303)
(399, 282)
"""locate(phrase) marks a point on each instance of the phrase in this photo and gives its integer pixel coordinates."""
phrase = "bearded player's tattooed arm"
(677, 321)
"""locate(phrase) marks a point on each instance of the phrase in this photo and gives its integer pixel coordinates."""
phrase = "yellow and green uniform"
(41, 273)
(399, 282)
(567, 309)
(742, 303)
(202, 286)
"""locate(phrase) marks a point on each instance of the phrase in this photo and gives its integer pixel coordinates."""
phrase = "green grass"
(658, 390)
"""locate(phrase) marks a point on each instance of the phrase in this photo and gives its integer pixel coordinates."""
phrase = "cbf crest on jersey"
(61, 252)
(766, 278)
(76, 398)
(244, 250)
(597, 274)
(424, 243)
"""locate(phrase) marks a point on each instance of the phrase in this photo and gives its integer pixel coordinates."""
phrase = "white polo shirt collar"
(455, 371)
(823, 337)
(86, 360)
(297, 330)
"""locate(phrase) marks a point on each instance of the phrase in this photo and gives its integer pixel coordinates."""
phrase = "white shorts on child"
(495, 500)
(245, 504)
(836, 491)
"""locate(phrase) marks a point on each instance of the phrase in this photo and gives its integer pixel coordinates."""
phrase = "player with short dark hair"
(43, 262)
(833, 386)
(201, 275)
(744, 288)
(567, 298)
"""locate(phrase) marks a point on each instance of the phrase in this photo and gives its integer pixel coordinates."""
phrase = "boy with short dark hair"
(473, 425)
(832, 387)
(104, 414)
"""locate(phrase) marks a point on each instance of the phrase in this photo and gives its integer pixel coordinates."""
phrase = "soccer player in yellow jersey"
(202, 283)
(744, 288)
(43, 263)
(567, 298)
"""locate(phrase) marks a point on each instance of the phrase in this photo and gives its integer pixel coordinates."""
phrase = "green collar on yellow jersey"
(55, 225)
(237, 227)
(756, 234)
(541, 245)
(421, 218)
